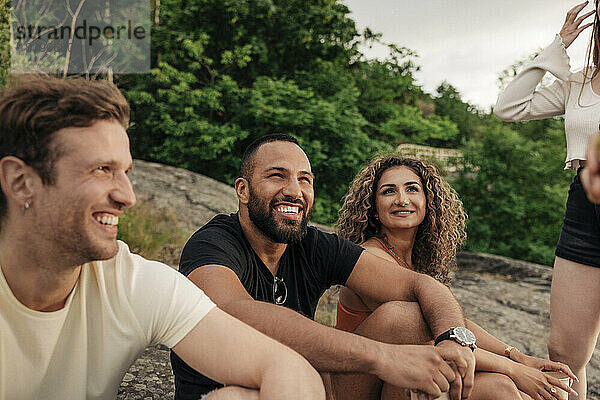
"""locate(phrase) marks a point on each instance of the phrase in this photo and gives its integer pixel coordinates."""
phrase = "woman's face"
(400, 199)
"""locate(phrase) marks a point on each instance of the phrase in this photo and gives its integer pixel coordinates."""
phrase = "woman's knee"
(493, 386)
(398, 322)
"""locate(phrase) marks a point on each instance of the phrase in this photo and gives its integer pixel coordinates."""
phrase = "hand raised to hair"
(572, 26)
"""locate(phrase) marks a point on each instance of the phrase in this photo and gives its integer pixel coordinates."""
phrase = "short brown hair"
(34, 107)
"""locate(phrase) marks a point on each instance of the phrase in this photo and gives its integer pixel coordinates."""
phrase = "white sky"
(467, 42)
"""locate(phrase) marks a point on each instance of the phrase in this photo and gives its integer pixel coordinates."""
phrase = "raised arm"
(233, 353)
(521, 101)
(327, 349)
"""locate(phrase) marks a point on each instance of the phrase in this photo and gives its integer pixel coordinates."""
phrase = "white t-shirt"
(117, 308)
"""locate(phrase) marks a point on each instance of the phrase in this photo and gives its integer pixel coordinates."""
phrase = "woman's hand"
(571, 28)
(537, 384)
(542, 364)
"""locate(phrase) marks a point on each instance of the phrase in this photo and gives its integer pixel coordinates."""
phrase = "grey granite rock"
(509, 298)
(196, 198)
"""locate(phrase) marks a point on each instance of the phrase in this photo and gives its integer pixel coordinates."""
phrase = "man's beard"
(263, 216)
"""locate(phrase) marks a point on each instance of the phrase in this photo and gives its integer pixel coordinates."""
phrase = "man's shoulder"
(127, 265)
(128, 278)
(221, 242)
(321, 243)
(220, 224)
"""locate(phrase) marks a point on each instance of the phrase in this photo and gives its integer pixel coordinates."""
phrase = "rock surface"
(507, 297)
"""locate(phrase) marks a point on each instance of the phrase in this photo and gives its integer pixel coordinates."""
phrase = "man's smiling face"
(81, 210)
(281, 191)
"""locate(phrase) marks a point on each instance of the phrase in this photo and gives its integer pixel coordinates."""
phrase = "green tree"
(449, 104)
(4, 40)
(226, 72)
(329, 129)
(394, 106)
(514, 190)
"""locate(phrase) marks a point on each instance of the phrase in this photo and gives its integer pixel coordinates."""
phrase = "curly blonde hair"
(440, 234)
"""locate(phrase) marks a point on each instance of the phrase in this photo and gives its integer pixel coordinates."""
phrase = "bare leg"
(574, 317)
(394, 322)
(234, 393)
(493, 386)
(403, 323)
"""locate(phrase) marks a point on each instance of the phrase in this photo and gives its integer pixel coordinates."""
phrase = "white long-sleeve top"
(521, 101)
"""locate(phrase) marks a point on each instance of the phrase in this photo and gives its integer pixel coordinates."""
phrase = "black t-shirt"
(308, 268)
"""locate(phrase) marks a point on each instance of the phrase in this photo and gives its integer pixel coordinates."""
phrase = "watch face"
(464, 335)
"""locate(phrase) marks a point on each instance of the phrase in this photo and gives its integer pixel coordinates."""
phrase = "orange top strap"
(388, 251)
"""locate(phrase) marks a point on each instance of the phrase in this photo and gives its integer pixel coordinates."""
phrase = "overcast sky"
(467, 42)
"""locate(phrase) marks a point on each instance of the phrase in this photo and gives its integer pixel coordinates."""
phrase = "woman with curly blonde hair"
(402, 210)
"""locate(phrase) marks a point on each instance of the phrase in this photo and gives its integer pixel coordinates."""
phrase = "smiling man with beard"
(265, 266)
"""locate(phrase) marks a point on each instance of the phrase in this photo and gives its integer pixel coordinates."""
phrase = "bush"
(147, 230)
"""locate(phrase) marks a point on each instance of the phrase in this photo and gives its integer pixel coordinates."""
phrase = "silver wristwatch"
(461, 335)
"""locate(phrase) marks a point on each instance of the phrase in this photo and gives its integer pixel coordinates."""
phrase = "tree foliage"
(448, 103)
(4, 40)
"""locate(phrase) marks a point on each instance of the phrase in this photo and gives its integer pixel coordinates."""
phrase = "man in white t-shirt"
(76, 306)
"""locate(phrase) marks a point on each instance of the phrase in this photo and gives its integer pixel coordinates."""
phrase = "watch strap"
(444, 336)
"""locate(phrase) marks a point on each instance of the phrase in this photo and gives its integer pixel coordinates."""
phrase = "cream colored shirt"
(522, 101)
(117, 308)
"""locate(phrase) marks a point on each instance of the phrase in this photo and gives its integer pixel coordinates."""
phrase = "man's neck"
(36, 280)
(268, 251)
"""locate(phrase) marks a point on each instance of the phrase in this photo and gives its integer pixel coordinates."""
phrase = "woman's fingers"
(558, 366)
(579, 30)
(572, 13)
(554, 383)
(571, 29)
(584, 16)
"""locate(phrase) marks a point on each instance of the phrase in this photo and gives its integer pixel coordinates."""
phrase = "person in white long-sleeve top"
(575, 294)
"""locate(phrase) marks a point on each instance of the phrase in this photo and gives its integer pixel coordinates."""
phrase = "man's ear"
(17, 180)
(242, 189)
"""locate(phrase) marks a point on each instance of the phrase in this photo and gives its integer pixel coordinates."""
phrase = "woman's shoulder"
(373, 246)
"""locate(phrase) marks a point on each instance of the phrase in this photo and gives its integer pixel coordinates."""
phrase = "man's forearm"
(327, 349)
(440, 309)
